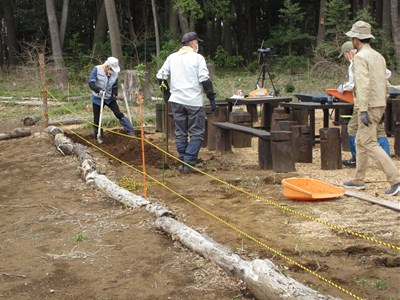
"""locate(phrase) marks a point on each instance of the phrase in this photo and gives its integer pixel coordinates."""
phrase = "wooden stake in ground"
(140, 98)
(44, 89)
(128, 111)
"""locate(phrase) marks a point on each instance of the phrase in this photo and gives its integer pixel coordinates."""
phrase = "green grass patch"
(80, 237)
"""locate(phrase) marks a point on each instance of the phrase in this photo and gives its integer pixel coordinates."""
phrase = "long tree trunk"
(63, 24)
(157, 34)
(115, 37)
(12, 44)
(54, 33)
(61, 74)
(321, 23)
(100, 30)
(386, 25)
(394, 8)
(172, 18)
(128, 18)
(379, 12)
(183, 23)
(227, 36)
(241, 29)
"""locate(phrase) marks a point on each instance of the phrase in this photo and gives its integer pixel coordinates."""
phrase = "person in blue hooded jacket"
(103, 81)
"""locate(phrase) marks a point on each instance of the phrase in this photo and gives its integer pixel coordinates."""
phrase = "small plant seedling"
(80, 237)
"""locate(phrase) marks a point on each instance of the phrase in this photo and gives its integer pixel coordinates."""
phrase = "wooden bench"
(224, 141)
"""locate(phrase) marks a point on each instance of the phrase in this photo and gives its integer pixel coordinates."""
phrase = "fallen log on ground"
(382, 202)
(16, 133)
(70, 121)
(32, 102)
(30, 120)
(261, 277)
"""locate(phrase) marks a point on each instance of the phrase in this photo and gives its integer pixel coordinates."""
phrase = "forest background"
(304, 38)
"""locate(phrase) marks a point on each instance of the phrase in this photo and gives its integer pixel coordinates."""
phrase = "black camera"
(264, 50)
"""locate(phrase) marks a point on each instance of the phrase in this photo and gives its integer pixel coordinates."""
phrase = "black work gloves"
(164, 89)
(364, 117)
(209, 90)
(213, 104)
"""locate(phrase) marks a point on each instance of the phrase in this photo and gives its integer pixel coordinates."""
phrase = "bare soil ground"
(46, 208)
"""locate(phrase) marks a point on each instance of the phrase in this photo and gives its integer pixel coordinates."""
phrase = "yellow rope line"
(222, 220)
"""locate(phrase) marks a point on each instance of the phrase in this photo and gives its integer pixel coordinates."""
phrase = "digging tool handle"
(101, 117)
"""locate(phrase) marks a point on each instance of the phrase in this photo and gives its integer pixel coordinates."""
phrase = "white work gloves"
(340, 89)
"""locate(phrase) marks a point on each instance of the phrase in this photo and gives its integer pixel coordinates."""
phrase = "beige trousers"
(367, 146)
(353, 125)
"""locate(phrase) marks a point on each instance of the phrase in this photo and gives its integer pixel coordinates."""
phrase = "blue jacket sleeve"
(93, 75)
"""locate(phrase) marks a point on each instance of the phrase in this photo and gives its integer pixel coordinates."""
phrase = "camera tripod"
(264, 69)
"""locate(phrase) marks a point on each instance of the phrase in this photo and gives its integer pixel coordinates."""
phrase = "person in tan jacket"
(348, 52)
(370, 86)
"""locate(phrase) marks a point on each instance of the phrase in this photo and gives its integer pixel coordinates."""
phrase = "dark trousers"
(189, 125)
(113, 105)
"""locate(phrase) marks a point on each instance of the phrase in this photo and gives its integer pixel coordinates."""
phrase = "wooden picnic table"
(311, 107)
(268, 104)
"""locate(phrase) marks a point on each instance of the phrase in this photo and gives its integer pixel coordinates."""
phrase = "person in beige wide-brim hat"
(360, 30)
(370, 86)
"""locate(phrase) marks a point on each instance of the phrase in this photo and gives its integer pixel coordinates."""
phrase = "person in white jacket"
(348, 51)
(189, 78)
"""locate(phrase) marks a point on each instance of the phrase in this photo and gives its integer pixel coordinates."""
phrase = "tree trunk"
(386, 25)
(12, 44)
(100, 30)
(115, 37)
(394, 8)
(128, 19)
(241, 29)
(321, 23)
(183, 23)
(17, 133)
(54, 33)
(379, 13)
(172, 18)
(63, 24)
(157, 34)
(228, 38)
(61, 74)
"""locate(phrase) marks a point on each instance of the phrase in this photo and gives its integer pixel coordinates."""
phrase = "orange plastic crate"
(310, 189)
(347, 96)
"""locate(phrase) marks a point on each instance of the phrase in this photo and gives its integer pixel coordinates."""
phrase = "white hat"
(360, 30)
(112, 62)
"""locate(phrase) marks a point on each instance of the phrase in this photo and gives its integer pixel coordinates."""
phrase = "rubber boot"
(351, 163)
(384, 143)
(126, 124)
(352, 147)
(192, 152)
